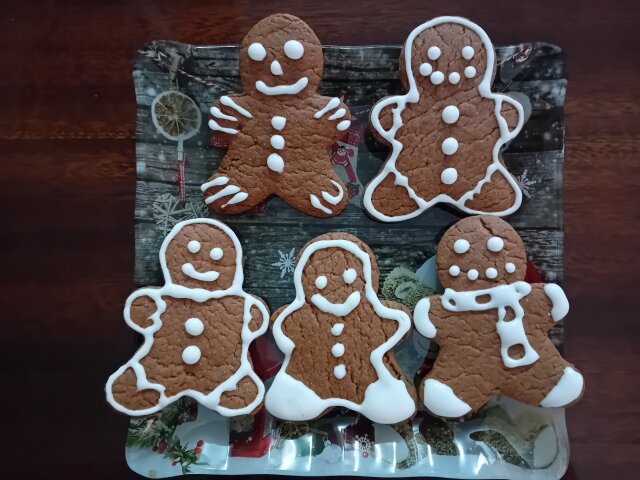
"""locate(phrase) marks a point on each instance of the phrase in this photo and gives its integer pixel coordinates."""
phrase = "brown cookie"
(492, 327)
(338, 338)
(447, 131)
(193, 328)
(278, 129)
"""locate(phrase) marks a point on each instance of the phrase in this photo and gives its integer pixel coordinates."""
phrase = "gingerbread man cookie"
(279, 129)
(492, 327)
(448, 130)
(338, 337)
(197, 328)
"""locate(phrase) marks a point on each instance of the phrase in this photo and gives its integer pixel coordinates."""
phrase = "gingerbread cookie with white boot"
(279, 128)
(197, 328)
(338, 338)
(492, 326)
(448, 130)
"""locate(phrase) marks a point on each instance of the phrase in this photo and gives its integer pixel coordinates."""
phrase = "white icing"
(495, 244)
(193, 246)
(461, 246)
(277, 142)
(212, 399)
(315, 202)
(338, 309)
(468, 52)
(343, 125)
(566, 391)
(275, 162)
(226, 191)
(194, 326)
(332, 199)
(449, 176)
(341, 112)
(331, 105)
(216, 253)
(450, 114)
(501, 297)
(470, 72)
(276, 68)
(216, 112)
(442, 401)
(237, 198)
(425, 69)
(454, 78)
(454, 270)
(216, 182)
(228, 102)
(290, 399)
(510, 267)
(321, 282)
(256, 52)
(434, 53)
(449, 146)
(491, 272)
(437, 77)
(349, 275)
(559, 301)
(340, 371)
(191, 355)
(399, 103)
(190, 271)
(213, 125)
(292, 89)
(294, 49)
(421, 319)
(337, 350)
(278, 122)
(472, 274)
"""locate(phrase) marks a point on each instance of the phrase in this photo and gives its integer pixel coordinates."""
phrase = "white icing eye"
(194, 326)
(449, 176)
(191, 355)
(293, 49)
(491, 272)
(449, 146)
(470, 72)
(510, 267)
(433, 53)
(349, 275)
(321, 282)
(426, 69)
(450, 114)
(193, 246)
(454, 78)
(461, 246)
(468, 52)
(454, 270)
(216, 253)
(256, 52)
(437, 77)
(495, 244)
(472, 274)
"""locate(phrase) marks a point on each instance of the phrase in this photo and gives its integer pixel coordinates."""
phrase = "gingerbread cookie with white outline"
(197, 328)
(448, 130)
(279, 129)
(492, 326)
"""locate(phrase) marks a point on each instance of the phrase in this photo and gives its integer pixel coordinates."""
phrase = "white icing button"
(340, 371)
(510, 267)
(349, 275)
(454, 270)
(472, 274)
(449, 176)
(461, 246)
(425, 69)
(276, 68)
(278, 122)
(470, 72)
(491, 272)
(449, 146)
(454, 78)
(495, 244)
(191, 355)
(216, 253)
(433, 53)
(450, 114)
(275, 162)
(293, 49)
(194, 326)
(321, 282)
(468, 52)
(256, 52)
(437, 77)
(337, 329)
(193, 246)
(337, 350)
(277, 142)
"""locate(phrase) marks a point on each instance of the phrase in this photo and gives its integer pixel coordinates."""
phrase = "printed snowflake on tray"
(167, 211)
(286, 263)
(525, 183)
(365, 445)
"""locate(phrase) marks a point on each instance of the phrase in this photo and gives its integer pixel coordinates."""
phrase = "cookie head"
(201, 254)
(480, 252)
(281, 56)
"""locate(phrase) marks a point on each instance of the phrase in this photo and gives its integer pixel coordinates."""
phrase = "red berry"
(200, 443)
(197, 451)
(365, 454)
(174, 463)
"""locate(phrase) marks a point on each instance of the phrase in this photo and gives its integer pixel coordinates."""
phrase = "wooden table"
(67, 119)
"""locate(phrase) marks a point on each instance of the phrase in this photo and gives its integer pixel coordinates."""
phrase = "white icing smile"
(190, 271)
(337, 309)
(292, 89)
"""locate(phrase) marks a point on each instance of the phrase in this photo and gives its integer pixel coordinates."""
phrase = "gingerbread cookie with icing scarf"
(278, 129)
(492, 326)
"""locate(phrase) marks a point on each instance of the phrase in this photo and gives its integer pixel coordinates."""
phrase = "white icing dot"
(449, 176)
(461, 246)
(437, 77)
(194, 326)
(343, 125)
(470, 72)
(433, 53)
(337, 350)
(495, 244)
(491, 272)
(321, 282)
(340, 371)
(454, 270)
(276, 68)
(454, 78)
(193, 246)
(256, 52)
(468, 52)
(278, 122)
(191, 355)
(337, 329)
(277, 142)
(216, 253)
(449, 146)
(472, 274)
(275, 162)
(349, 275)
(293, 49)
(510, 267)
(425, 69)
(450, 114)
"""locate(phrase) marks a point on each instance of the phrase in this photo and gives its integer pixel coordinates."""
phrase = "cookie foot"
(244, 394)
(568, 389)
(441, 400)
(126, 395)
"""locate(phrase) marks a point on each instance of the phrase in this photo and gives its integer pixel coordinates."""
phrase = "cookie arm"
(422, 318)
(257, 323)
(549, 301)
(335, 116)
(389, 326)
(381, 118)
(512, 113)
(226, 115)
(140, 310)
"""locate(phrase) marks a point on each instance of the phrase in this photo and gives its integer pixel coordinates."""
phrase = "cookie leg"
(319, 194)
(498, 195)
(126, 394)
(566, 391)
(245, 392)
(225, 192)
(389, 199)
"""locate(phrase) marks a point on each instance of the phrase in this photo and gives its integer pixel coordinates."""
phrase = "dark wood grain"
(67, 122)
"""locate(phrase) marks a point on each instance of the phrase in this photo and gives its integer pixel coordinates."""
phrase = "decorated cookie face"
(281, 55)
(206, 261)
(474, 254)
